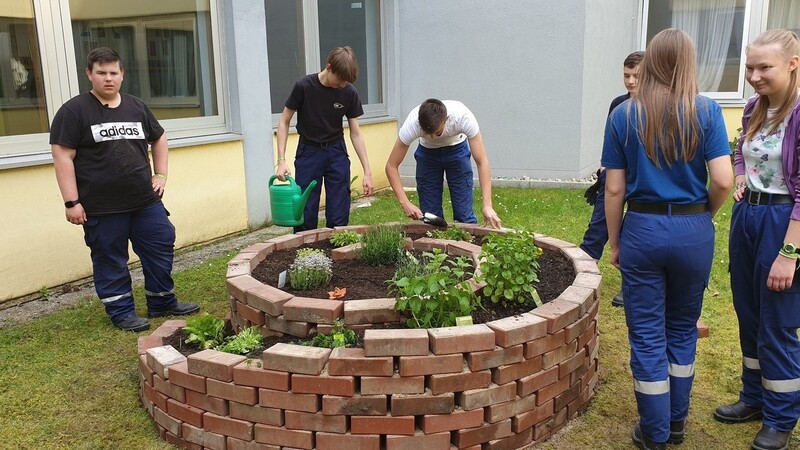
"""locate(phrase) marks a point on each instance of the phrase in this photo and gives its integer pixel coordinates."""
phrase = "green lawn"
(69, 380)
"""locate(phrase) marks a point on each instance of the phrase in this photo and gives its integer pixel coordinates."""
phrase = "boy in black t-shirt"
(321, 100)
(99, 142)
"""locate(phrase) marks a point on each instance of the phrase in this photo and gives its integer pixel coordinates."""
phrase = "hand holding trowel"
(433, 219)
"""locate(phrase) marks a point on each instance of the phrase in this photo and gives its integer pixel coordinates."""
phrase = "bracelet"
(281, 159)
(740, 185)
(158, 175)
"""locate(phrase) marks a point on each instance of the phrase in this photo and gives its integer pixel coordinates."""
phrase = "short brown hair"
(343, 63)
(432, 113)
(633, 60)
(102, 55)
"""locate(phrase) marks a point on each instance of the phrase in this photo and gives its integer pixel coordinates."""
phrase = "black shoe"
(771, 439)
(642, 442)
(738, 412)
(180, 309)
(677, 431)
(618, 300)
(133, 323)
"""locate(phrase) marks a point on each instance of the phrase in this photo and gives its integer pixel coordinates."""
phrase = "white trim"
(681, 370)
(651, 387)
(751, 363)
(781, 386)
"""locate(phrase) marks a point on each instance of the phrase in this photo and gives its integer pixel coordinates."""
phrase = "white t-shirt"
(461, 124)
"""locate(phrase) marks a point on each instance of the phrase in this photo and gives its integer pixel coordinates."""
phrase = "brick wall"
(501, 385)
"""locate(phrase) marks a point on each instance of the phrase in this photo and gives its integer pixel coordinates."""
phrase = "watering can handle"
(288, 178)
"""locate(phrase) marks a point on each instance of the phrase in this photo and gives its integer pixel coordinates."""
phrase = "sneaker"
(642, 442)
(179, 309)
(618, 300)
(133, 323)
(738, 412)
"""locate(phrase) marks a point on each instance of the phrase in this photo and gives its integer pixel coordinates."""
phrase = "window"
(22, 103)
(301, 33)
(784, 14)
(718, 30)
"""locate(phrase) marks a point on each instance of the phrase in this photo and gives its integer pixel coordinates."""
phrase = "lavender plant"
(311, 268)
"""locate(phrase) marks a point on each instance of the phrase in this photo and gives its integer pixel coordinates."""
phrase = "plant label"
(282, 280)
(463, 321)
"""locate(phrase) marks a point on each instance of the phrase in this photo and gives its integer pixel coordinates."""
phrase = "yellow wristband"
(158, 175)
(281, 159)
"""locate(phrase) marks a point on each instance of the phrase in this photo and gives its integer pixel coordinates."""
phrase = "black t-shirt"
(320, 109)
(618, 101)
(112, 167)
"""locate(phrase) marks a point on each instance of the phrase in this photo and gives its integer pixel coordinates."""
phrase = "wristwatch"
(790, 249)
(71, 203)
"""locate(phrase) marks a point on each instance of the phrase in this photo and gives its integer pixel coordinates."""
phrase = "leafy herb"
(382, 244)
(205, 331)
(344, 237)
(510, 267)
(247, 341)
(338, 337)
(453, 234)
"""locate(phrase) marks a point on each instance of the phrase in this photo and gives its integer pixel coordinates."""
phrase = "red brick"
(229, 391)
(214, 364)
(427, 244)
(213, 404)
(518, 329)
(513, 442)
(551, 243)
(461, 248)
(702, 329)
(589, 280)
(259, 414)
(438, 441)
(413, 405)
(528, 419)
(323, 384)
(287, 241)
(238, 286)
(428, 365)
(358, 405)
(392, 385)
(560, 354)
(160, 358)
(382, 425)
(185, 413)
(352, 361)
(348, 252)
(492, 358)
(315, 422)
(268, 299)
(559, 314)
(396, 342)
(500, 411)
(145, 343)
(262, 249)
(373, 310)
(314, 310)
(544, 344)
(562, 400)
(253, 375)
(470, 338)
(298, 329)
(588, 335)
(180, 443)
(295, 358)
(581, 296)
(533, 383)
(145, 370)
(457, 420)
(168, 389)
(199, 436)
(169, 423)
(179, 375)
(238, 444)
(255, 316)
(478, 398)
(584, 266)
(331, 441)
(267, 434)
(459, 382)
(571, 363)
(288, 400)
(552, 390)
(317, 234)
(226, 426)
(157, 398)
(572, 331)
(238, 268)
(491, 432)
(504, 374)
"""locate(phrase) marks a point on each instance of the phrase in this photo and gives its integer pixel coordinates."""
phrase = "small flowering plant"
(310, 269)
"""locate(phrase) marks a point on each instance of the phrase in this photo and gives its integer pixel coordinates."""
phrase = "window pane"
(784, 14)
(22, 102)
(716, 26)
(167, 56)
(285, 48)
(357, 24)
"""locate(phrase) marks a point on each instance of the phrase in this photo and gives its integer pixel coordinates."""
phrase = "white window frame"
(59, 76)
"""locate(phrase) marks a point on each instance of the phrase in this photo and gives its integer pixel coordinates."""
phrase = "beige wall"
(733, 120)
(38, 248)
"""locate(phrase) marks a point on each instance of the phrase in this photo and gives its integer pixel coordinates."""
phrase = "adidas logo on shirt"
(114, 131)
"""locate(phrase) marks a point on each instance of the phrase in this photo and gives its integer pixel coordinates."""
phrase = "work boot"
(771, 439)
(133, 323)
(676, 431)
(642, 442)
(618, 300)
(738, 412)
(180, 309)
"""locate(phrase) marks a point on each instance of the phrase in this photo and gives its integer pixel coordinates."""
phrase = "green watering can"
(287, 202)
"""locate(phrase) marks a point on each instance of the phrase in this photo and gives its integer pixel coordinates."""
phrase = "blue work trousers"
(665, 262)
(768, 320)
(152, 237)
(329, 165)
(453, 162)
(596, 235)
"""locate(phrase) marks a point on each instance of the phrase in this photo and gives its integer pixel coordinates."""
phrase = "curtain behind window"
(784, 14)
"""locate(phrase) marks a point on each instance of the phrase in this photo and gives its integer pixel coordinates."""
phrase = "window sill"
(361, 121)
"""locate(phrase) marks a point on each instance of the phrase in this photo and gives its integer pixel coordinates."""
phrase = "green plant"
(353, 191)
(382, 244)
(453, 234)
(338, 337)
(510, 267)
(344, 237)
(311, 268)
(735, 141)
(44, 291)
(204, 330)
(247, 341)
(436, 293)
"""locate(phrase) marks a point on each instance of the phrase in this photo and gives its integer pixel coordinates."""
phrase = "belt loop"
(757, 200)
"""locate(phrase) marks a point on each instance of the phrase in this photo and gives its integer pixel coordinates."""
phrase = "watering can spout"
(300, 200)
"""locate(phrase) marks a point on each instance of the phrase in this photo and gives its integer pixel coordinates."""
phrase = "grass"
(69, 380)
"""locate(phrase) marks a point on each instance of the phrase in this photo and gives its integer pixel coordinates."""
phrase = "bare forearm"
(160, 151)
(485, 180)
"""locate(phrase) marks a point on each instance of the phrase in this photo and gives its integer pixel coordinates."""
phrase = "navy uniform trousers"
(152, 237)
(454, 163)
(329, 165)
(768, 320)
(596, 235)
(665, 262)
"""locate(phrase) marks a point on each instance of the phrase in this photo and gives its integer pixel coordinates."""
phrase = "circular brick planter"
(501, 385)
